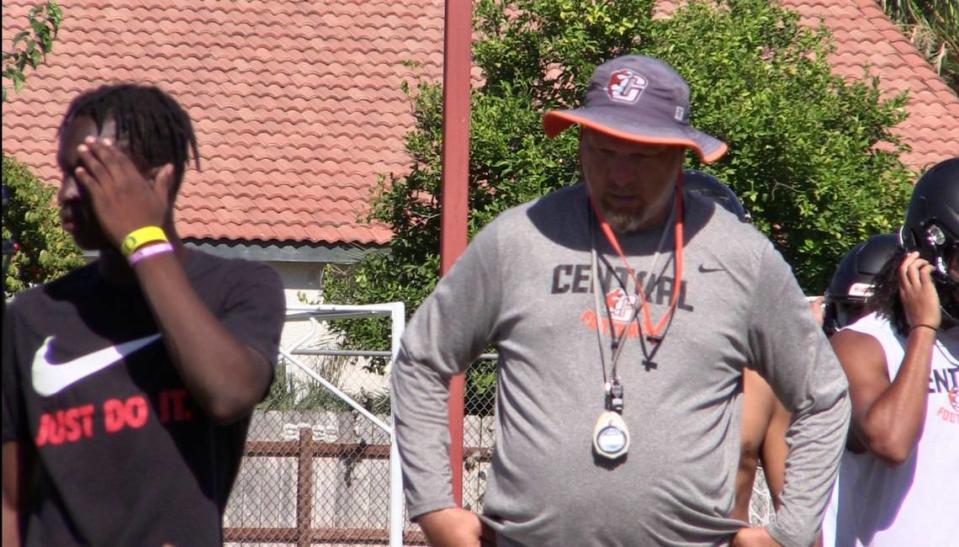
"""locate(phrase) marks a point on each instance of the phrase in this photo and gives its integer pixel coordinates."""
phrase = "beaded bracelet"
(149, 250)
(140, 237)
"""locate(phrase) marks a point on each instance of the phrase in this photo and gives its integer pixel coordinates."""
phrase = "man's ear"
(150, 173)
(163, 177)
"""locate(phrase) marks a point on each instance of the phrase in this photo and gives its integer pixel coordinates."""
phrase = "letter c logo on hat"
(625, 86)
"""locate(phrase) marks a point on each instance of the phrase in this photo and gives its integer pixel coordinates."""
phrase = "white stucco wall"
(303, 284)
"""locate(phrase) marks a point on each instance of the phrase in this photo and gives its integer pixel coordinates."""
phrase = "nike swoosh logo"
(704, 269)
(49, 378)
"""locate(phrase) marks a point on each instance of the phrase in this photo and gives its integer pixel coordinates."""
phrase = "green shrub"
(803, 154)
(294, 394)
(30, 219)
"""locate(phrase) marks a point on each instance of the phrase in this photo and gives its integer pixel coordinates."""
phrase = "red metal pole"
(456, 117)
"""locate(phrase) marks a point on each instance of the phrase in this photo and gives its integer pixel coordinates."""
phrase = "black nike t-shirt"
(125, 456)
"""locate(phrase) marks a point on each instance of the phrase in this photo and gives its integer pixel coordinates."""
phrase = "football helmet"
(932, 229)
(704, 184)
(854, 280)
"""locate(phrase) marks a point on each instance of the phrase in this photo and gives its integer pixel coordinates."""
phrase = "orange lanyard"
(648, 328)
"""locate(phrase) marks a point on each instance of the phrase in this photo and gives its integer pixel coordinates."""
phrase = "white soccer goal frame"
(396, 311)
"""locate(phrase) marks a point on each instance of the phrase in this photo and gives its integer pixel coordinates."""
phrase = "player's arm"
(887, 415)
(881, 420)
(225, 377)
(11, 495)
(775, 450)
(15, 470)
(758, 399)
(18, 452)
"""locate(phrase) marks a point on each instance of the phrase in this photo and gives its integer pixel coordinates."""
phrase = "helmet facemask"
(932, 228)
(947, 284)
(941, 249)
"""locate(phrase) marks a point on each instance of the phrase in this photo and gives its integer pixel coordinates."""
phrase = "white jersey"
(916, 503)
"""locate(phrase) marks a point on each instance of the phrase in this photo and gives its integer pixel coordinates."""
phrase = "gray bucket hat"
(638, 99)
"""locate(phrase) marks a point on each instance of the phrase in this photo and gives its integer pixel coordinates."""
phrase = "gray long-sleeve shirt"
(524, 285)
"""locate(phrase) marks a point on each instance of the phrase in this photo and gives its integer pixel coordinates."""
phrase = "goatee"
(622, 223)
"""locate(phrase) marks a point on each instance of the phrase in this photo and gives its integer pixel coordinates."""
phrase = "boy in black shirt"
(128, 384)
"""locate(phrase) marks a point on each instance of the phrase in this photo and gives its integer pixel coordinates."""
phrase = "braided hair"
(152, 125)
(885, 297)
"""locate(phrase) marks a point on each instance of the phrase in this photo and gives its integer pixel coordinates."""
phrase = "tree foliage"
(29, 47)
(933, 27)
(803, 143)
(45, 250)
(42, 251)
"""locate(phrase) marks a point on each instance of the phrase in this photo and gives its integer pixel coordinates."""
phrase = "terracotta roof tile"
(298, 107)
(874, 41)
(868, 42)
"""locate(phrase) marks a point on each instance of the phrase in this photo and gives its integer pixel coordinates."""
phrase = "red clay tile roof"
(298, 106)
(865, 37)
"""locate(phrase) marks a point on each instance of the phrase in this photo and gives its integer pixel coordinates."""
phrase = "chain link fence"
(316, 469)
(761, 510)
(478, 429)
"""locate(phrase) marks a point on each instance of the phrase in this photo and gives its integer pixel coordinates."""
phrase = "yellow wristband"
(140, 237)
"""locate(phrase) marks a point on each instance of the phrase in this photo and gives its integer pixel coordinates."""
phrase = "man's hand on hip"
(453, 527)
(753, 537)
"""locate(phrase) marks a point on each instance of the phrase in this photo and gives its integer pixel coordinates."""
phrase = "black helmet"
(854, 280)
(932, 228)
(704, 184)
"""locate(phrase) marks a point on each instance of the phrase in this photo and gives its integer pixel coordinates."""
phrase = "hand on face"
(920, 301)
(122, 197)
